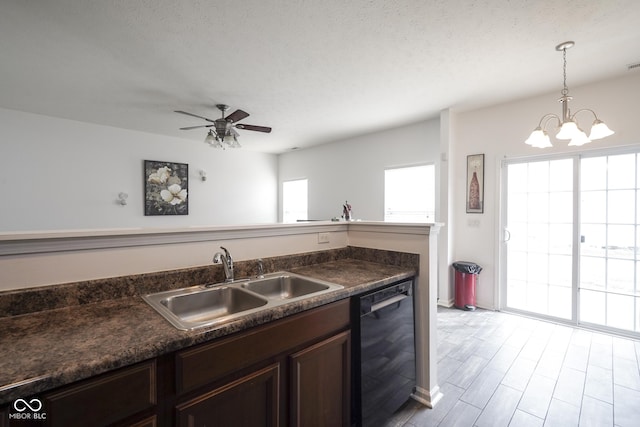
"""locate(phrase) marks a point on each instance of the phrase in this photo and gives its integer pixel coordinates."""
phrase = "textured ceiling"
(315, 71)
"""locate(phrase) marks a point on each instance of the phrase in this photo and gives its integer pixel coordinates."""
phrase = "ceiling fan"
(224, 134)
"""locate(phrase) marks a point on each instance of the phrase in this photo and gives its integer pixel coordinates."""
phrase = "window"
(294, 200)
(409, 194)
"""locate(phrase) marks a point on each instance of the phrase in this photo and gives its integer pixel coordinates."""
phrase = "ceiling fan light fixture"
(231, 141)
(223, 135)
(217, 144)
(567, 123)
(210, 138)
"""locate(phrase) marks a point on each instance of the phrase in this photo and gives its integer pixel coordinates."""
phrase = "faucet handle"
(226, 253)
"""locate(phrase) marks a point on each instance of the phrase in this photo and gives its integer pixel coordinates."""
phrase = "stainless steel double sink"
(200, 306)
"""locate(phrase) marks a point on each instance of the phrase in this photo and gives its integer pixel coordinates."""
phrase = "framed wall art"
(475, 183)
(166, 188)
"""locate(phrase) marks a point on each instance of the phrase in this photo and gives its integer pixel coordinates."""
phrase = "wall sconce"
(203, 175)
(122, 198)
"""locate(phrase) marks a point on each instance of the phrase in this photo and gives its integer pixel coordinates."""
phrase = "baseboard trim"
(426, 397)
(448, 303)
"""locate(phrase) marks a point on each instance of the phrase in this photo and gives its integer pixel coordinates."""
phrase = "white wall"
(64, 257)
(73, 181)
(61, 174)
(353, 169)
(499, 132)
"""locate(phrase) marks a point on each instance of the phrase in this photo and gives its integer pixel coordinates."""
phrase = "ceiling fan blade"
(236, 116)
(256, 128)
(196, 127)
(194, 115)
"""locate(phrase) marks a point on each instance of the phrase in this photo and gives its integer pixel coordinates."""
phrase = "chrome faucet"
(227, 263)
(260, 269)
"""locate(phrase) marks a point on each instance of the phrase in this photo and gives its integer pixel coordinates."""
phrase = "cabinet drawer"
(209, 362)
(105, 399)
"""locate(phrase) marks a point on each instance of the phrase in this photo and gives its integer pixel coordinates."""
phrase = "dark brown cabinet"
(147, 422)
(320, 383)
(106, 399)
(250, 401)
(294, 371)
(124, 397)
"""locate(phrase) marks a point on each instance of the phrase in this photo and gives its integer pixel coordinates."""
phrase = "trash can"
(465, 284)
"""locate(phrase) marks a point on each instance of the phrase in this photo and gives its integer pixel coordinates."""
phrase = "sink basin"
(199, 306)
(285, 286)
(212, 303)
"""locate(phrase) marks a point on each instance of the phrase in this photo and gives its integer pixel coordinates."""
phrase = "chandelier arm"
(546, 119)
(584, 109)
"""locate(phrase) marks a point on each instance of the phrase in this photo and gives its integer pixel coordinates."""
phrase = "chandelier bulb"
(568, 130)
(599, 130)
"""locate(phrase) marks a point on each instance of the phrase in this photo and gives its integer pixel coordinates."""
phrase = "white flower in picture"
(174, 194)
(160, 176)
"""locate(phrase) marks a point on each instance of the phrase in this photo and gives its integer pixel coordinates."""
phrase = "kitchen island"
(44, 350)
(73, 278)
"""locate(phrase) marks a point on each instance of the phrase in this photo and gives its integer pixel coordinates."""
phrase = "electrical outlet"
(323, 237)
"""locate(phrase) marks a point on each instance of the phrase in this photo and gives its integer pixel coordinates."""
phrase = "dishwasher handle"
(385, 297)
(387, 302)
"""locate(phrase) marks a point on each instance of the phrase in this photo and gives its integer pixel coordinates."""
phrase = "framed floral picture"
(475, 183)
(166, 188)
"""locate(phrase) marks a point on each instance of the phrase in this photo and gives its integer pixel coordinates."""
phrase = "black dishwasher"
(384, 353)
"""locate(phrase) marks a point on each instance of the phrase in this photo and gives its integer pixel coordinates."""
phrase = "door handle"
(507, 235)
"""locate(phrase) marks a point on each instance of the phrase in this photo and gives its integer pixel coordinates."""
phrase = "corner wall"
(353, 169)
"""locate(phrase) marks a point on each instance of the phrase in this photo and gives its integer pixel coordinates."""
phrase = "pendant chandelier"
(568, 125)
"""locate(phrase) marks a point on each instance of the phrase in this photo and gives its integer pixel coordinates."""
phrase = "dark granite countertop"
(43, 350)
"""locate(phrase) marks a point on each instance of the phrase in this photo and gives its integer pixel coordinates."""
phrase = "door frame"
(502, 233)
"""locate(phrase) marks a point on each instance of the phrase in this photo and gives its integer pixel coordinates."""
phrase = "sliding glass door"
(540, 237)
(609, 294)
(570, 239)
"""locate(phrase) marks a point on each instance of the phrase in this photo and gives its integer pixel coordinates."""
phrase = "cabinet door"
(320, 383)
(104, 399)
(250, 401)
(147, 422)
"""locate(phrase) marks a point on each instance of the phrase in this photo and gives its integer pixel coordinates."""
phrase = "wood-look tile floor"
(497, 369)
